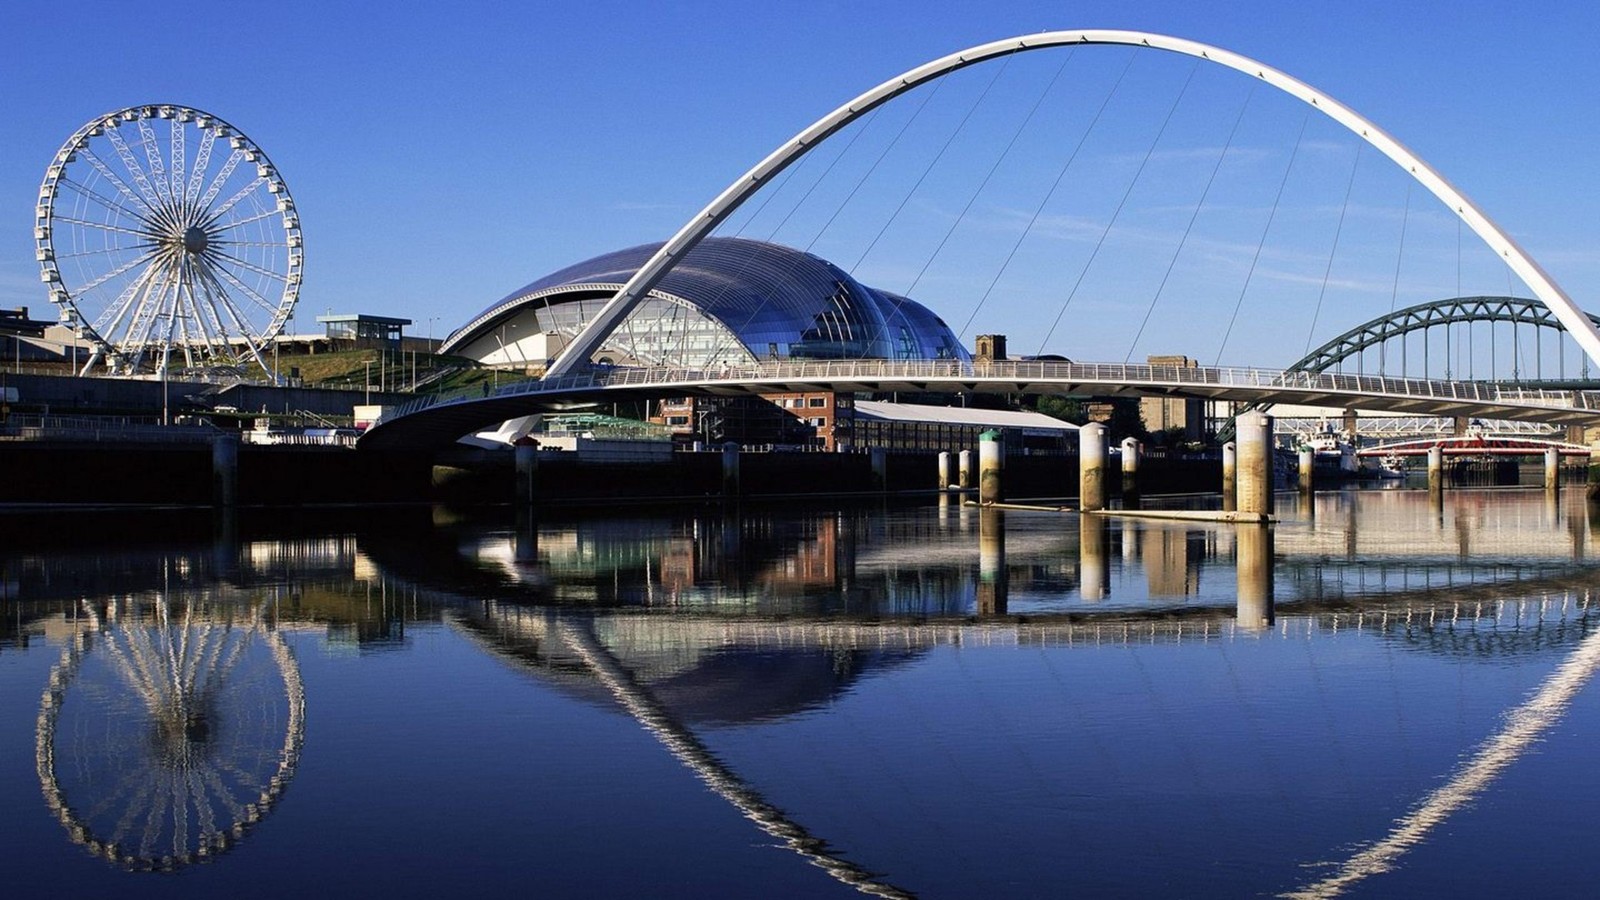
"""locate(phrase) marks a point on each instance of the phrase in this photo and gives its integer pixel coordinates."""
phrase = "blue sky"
(443, 154)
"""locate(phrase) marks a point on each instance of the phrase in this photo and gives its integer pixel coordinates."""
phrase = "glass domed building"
(729, 301)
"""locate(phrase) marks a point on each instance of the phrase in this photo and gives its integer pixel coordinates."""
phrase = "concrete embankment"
(44, 472)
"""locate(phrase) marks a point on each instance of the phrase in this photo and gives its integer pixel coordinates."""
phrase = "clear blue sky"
(443, 154)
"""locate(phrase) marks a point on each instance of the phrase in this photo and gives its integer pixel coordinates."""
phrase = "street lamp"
(369, 383)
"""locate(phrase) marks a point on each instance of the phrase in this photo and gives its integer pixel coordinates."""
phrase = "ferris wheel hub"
(195, 239)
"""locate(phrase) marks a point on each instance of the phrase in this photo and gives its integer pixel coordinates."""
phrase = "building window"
(818, 402)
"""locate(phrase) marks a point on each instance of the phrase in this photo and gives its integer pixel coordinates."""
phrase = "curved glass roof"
(780, 303)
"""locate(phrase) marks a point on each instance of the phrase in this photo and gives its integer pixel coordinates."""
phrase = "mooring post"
(990, 449)
(964, 470)
(730, 469)
(1308, 469)
(1436, 468)
(992, 583)
(944, 470)
(1092, 467)
(1552, 469)
(225, 470)
(1130, 466)
(1230, 470)
(1255, 463)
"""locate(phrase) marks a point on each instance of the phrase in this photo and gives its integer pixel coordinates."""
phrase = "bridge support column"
(1253, 557)
(880, 468)
(225, 470)
(1462, 423)
(964, 470)
(1308, 469)
(1130, 466)
(1435, 468)
(1230, 470)
(944, 470)
(1255, 463)
(527, 476)
(992, 583)
(990, 450)
(1552, 469)
(1094, 571)
(1092, 467)
(1594, 482)
(730, 469)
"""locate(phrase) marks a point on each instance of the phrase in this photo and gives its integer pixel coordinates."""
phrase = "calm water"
(1380, 697)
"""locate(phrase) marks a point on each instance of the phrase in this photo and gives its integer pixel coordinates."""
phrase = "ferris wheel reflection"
(169, 728)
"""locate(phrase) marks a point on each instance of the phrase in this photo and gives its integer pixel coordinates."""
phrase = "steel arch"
(1518, 310)
(611, 315)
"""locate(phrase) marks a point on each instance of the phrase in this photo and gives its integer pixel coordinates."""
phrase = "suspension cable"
(1045, 200)
(1111, 223)
(1172, 263)
(1334, 251)
(1266, 229)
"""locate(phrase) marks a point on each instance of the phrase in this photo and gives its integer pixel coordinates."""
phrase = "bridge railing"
(833, 372)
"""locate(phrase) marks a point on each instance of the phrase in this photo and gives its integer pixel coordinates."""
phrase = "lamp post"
(369, 383)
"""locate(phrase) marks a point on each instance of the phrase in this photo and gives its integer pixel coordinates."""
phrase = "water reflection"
(708, 624)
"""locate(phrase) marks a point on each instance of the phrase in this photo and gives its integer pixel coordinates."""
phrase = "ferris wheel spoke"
(99, 165)
(152, 155)
(102, 250)
(249, 292)
(207, 334)
(118, 271)
(129, 162)
(86, 192)
(148, 235)
(250, 266)
(223, 174)
(176, 152)
(213, 215)
(236, 223)
(202, 161)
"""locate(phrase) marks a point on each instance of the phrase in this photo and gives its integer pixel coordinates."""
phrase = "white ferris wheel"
(168, 239)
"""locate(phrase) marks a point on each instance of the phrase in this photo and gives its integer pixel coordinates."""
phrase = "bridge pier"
(990, 451)
(1253, 558)
(1254, 475)
(1230, 470)
(964, 470)
(526, 487)
(1092, 467)
(945, 481)
(1552, 469)
(225, 470)
(730, 469)
(1308, 469)
(880, 468)
(992, 581)
(1094, 572)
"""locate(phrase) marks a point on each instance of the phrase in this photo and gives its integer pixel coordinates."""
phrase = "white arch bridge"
(437, 420)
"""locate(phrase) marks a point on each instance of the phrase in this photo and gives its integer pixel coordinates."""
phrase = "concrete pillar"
(964, 470)
(225, 470)
(527, 477)
(990, 450)
(1253, 555)
(730, 469)
(1092, 466)
(1094, 569)
(880, 468)
(992, 582)
(1254, 475)
(1308, 469)
(1462, 423)
(1130, 466)
(1552, 469)
(1594, 479)
(945, 481)
(1435, 468)
(1350, 423)
(1230, 468)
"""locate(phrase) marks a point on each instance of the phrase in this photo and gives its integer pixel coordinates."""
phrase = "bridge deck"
(437, 420)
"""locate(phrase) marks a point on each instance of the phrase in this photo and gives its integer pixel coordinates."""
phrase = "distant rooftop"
(1028, 422)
